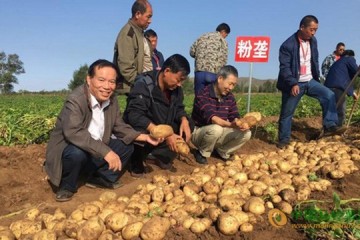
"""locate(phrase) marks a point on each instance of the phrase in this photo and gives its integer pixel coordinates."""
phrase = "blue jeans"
(289, 103)
(202, 79)
(341, 105)
(77, 161)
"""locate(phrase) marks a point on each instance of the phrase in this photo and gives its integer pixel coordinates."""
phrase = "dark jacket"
(341, 74)
(72, 127)
(142, 109)
(289, 58)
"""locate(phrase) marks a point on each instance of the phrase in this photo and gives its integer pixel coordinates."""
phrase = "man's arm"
(285, 59)
(126, 52)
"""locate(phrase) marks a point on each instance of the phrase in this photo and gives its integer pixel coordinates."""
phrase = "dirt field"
(23, 184)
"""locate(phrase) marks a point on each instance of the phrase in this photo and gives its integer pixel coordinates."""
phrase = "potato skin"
(155, 228)
(161, 131)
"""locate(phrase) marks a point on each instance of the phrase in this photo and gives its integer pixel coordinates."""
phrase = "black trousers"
(78, 162)
(161, 152)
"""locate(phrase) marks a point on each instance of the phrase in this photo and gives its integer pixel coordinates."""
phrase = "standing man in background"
(299, 74)
(210, 52)
(157, 57)
(330, 59)
(132, 51)
(339, 77)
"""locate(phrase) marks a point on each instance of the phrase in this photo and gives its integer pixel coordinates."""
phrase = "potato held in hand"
(161, 131)
(182, 147)
(249, 120)
(256, 115)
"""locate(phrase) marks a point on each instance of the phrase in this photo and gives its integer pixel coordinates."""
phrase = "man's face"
(144, 20)
(340, 50)
(153, 41)
(223, 33)
(308, 32)
(173, 80)
(103, 84)
(226, 85)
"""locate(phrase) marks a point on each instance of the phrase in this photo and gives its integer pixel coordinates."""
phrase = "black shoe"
(334, 130)
(99, 182)
(282, 145)
(63, 195)
(199, 158)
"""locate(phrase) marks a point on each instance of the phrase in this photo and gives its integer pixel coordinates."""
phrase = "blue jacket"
(341, 74)
(289, 58)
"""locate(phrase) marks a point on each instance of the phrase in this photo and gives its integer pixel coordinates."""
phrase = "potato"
(213, 213)
(246, 122)
(200, 225)
(32, 214)
(108, 196)
(137, 207)
(59, 214)
(255, 205)
(6, 234)
(161, 131)
(77, 215)
(90, 210)
(246, 227)
(256, 115)
(227, 224)
(188, 221)
(132, 230)
(284, 207)
(44, 235)
(182, 147)
(288, 195)
(91, 229)
(210, 198)
(70, 228)
(25, 226)
(155, 229)
(158, 195)
(336, 174)
(240, 216)
(108, 235)
(231, 202)
(116, 221)
(211, 187)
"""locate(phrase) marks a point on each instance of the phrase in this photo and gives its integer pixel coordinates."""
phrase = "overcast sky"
(54, 38)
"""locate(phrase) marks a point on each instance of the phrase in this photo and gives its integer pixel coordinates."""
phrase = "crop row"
(28, 119)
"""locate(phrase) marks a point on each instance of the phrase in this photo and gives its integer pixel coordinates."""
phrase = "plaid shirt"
(328, 61)
(208, 105)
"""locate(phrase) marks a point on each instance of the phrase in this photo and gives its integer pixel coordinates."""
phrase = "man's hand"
(113, 160)
(185, 128)
(171, 142)
(295, 90)
(153, 141)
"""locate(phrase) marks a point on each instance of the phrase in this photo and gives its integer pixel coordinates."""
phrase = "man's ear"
(88, 79)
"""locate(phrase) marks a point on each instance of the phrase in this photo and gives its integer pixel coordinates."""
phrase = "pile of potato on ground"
(231, 195)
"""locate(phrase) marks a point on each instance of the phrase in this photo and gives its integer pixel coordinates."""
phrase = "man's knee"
(215, 130)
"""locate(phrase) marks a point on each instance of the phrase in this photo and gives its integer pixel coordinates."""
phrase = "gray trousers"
(222, 139)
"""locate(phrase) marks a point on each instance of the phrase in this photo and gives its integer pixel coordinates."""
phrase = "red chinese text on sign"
(252, 49)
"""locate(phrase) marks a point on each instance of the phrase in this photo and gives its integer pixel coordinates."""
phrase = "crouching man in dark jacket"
(90, 136)
(159, 101)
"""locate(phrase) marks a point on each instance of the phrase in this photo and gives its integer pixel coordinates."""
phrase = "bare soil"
(23, 184)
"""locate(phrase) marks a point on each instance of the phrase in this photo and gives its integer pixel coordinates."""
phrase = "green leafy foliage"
(342, 221)
(10, 65)
(79, 77)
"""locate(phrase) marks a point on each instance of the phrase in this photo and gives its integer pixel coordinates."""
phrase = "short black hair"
(340, 44)
(139, 6)
(305, 21)
(150, 33)
(176, 63)
(348, 52)
(223, 26)
(100, 64)
(227, 70)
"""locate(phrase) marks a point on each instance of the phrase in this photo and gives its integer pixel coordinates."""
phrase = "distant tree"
(79, 77)
(10, 66)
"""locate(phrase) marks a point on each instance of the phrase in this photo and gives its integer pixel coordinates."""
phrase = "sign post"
(252, 49)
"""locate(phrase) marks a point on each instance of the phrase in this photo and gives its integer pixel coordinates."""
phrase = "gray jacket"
(72, 127)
